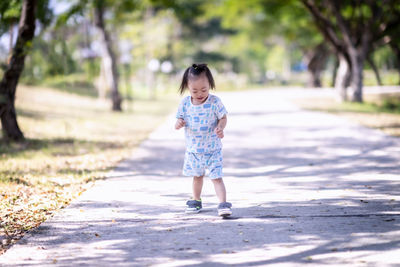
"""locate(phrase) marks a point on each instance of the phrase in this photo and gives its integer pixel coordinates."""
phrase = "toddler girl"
(204, 117)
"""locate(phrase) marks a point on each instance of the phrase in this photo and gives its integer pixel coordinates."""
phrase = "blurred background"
(150, 43)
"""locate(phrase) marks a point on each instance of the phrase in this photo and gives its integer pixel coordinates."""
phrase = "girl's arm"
(219, 130)
(222, 122)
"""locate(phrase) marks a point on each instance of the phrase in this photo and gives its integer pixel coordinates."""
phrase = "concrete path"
(307, 188)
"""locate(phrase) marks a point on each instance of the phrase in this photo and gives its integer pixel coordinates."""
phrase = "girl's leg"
(220, 189)
(197, 187)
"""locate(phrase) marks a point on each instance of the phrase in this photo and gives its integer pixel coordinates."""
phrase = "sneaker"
(224, 209)
(193, 206)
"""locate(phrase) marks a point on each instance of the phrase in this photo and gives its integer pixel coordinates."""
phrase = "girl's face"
(199, 89)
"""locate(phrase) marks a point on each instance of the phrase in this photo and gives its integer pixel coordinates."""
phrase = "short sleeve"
(180, 114)
(220, 108)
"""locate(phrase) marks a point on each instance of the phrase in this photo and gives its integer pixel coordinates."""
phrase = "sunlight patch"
(254, 170)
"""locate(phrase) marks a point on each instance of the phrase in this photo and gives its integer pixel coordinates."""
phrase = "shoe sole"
(225, 213)
(192, 211)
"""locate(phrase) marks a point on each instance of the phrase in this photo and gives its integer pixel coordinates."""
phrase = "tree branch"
(325, 26)
(343, 26)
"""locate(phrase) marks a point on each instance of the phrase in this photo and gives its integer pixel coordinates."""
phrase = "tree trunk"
(396, 51)
(357, 57)
(375, 69)
(343, 75)
(10, 49)
(356, 84)
(109, 59)
(8, 84)
(334, 72)
(316, 63)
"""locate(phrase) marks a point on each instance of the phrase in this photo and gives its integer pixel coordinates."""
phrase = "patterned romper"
(203, 146)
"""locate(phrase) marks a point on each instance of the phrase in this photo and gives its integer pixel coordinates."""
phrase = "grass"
(74, 83)
(71, 141)
(381, 113)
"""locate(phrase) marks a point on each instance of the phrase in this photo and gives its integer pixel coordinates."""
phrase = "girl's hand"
(220, 132)
(179, 124)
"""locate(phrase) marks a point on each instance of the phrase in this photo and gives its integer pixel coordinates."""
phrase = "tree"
(281, 22)
(351, 27)
(100, 8)
(391, 35)
(291, 20)
(396, 50)
(316, 60)
(109, 59)
(196, 28)
(8, 84)
(27, 12)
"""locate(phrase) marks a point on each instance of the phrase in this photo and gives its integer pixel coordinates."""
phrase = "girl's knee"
(217, 180)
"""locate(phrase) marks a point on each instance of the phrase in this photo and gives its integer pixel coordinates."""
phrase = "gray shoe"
(224, 209)
(193, 206)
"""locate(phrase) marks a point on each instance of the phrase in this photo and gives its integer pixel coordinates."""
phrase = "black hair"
(195, 71)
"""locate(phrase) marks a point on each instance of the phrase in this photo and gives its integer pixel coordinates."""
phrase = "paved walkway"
(308, 189)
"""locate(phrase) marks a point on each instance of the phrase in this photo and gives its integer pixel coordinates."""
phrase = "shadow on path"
(307, 188)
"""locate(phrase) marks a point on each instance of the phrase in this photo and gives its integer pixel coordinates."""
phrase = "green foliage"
(77, 9)
(48, 58)
(10, 12)
(44, 13)
(117, 9)
(248, 37)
